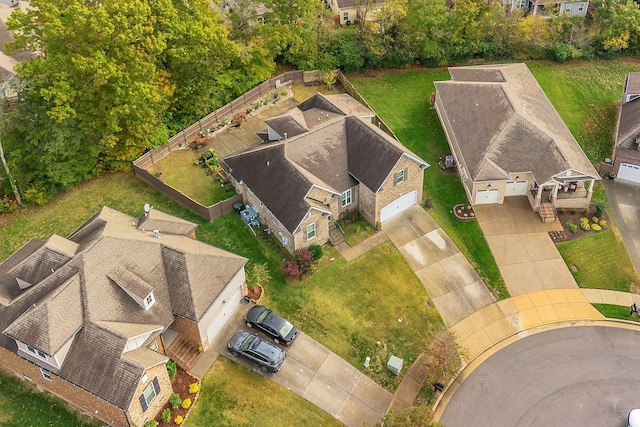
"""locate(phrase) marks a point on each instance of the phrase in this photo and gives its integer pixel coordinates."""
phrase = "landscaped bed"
(356, 228)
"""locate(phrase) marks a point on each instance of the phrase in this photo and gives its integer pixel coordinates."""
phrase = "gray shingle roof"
(165, 223)
(632, 84)
(79, 302)
(335, 153)
(352, 3)
(508, 126)
(285, 125)
(628, 124)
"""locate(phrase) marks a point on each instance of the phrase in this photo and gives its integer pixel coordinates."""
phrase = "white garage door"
(227, 310)
(518, 188)
(629, 172)
(485, 197)
(398, 205)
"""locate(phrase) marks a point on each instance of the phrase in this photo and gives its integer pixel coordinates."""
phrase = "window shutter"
(395, 179)
(143, 402)
(156, 385)
(406, 174)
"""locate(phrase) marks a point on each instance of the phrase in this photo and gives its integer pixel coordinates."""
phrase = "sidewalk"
(350, 253)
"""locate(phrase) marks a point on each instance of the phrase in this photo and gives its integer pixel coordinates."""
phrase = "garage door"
(629, 172)
(227, 310)
(518, 188)
(398, 205)
(485, 197)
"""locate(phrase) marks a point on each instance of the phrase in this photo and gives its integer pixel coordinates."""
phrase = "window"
(311, 231)
(37, 352)
(521, 4)
(46, 374)
(345, 16)
(150, 392)
(581, 7)
(345, 198)
(154, 346)
(567, 7)
(149, 300)
(400, 177)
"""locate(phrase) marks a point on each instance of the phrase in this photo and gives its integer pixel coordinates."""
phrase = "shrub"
(574, 211)
(36, 195)
(166, 415)
(305, 260)
(194, 388)
(600, 207)
(175, 400)
(316, 250)
(186, 404)
(596, 227)
(290, 269)
(571, 226)
(585, 211)
(178, 420)
(367, 228)
(563, 210)
(378, 225)
(584, 224)
(151, 423)
(172, 368)
(603, 223)
(595, 219)
(358, 228)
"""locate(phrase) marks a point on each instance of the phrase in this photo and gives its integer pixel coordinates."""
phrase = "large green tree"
(95, 66)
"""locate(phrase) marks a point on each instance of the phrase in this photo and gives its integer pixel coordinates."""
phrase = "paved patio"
(526, 256)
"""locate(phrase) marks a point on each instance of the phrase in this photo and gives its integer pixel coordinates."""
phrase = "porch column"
(591, 185)
(555, 192)
(539, 194)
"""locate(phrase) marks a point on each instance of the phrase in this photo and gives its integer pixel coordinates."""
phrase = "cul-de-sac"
(392, 213)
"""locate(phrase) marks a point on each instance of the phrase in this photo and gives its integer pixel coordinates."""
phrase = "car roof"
(634, 418)
(268, 350)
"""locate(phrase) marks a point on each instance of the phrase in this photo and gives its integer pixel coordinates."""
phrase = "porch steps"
(335, 236)
(184, 353)
(547, 212)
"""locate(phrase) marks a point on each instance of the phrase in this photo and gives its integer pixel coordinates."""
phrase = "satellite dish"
(147, 207)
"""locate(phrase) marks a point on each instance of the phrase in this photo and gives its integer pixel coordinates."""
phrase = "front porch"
(567, 195)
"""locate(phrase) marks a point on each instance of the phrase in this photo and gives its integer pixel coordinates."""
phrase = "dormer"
(139, 290)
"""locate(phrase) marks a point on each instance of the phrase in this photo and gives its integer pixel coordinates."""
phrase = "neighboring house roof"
(353, 3)
(86, 300)
(632, 84)
(504, 123)
(335, 152)
(628, 124)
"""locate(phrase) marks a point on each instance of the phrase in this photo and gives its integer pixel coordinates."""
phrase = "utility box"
(394, 365)
(449, 162)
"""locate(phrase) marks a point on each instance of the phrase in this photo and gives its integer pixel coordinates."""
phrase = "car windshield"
(286, 328)
(247, 342)
(262, 316)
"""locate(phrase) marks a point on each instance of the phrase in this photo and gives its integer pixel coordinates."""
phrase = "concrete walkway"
(624, 200)
(350, 253)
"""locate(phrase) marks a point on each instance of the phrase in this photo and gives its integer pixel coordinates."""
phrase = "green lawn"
(232, 395)
(180, 171)
(22, 406)
(616, 312)
(602, 261)
(401, 99)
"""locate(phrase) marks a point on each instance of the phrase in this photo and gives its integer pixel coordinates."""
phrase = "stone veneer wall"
(74, 395)
(188, 330)
(322, 230)
(138, 418)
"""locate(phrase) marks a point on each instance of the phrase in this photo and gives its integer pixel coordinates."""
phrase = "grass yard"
(585, 94)
(21, 405)
(232, 395)
(602, 261)
(401, 99)
(180, 171)
(616, 312)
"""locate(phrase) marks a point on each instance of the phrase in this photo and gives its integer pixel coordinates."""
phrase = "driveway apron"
(320, 376)
(526, 256)
(624, 198)
(451, 281)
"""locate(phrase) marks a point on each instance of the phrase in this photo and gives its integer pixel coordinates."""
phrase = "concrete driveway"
(624, 199)
(319, 375)
(447, 275)
(526, 256)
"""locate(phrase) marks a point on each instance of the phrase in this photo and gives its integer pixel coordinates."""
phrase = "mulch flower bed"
(180, 383)
(464, 212)
(566, 235)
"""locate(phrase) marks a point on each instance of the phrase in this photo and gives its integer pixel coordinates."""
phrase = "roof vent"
(267, 163)
(285, 136)
(156, 234)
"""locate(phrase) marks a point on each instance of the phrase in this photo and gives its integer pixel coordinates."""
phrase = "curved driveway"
(577, 376)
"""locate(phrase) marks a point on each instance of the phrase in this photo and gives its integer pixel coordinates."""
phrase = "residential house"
(626, 163)
(545, 7)
(92, 317)
(508, 140)
(347, 11)
(318, 161)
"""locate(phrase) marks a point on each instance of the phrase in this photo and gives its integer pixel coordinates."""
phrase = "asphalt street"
(576, 376)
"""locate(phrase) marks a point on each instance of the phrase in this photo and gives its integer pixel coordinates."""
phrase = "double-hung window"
(311, 231)
(37, 352)
(345, 198)
(399, 177)
(150, 392)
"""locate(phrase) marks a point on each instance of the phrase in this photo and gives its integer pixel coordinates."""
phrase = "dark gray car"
(267, 355)
(277, 327)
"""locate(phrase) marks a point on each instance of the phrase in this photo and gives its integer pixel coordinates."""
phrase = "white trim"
(46, 374)
(305, 217)
(346, 195)
(321, 188)
(315, 231)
